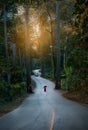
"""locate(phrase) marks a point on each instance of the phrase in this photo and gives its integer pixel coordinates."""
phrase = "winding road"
(46, 111)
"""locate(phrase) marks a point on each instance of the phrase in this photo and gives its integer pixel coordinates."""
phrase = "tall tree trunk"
(14, 55)
(28, 69)
(42, 60)
(51, 43)
(8, 77)
(58, 68)
(14, 48)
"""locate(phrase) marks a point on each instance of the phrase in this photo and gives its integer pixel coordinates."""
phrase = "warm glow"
(35, 35)
(36, 30)
(34, 47)
(20, 10)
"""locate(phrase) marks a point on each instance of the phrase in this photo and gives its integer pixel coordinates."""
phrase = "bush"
(63, 84)
(16, 76)
(16, 89)
(23, 87)
(3, 88)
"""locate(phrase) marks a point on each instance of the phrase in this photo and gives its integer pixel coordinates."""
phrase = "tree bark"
(51, 43)
(8, 76)
(28, 73)
(58, 67)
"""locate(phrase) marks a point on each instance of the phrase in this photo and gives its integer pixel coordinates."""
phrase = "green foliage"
(18, 89)
(48, 75)
(77, 50)
(78, 60)
(16, 76)
(68, 71)
(66, 78)
(3, 88)
(23, 87)
(76, 71)
(81, 19)
(15, 89)
(63, 83)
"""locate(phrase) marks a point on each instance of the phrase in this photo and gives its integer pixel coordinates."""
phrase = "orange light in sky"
(36, 30)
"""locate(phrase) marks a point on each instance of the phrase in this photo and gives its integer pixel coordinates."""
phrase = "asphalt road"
(46, 111)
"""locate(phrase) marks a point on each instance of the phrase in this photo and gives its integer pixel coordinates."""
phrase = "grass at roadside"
(9, 106)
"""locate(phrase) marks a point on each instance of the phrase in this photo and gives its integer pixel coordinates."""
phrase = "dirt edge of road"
(8, 107)
(76, 96)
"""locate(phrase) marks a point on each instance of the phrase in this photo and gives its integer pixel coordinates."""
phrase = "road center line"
(52, 121)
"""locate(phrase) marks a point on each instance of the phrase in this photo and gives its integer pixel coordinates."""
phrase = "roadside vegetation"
(28, 41)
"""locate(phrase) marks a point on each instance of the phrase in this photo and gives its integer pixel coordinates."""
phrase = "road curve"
(46, 111)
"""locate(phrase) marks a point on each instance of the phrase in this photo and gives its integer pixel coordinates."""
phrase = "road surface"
(46, 111)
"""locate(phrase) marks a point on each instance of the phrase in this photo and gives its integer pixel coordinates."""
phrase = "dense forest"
(51, 35)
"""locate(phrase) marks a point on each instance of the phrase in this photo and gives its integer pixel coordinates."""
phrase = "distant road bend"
(46, 111)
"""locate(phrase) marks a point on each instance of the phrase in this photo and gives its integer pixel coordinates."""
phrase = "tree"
(6, 47)
(77, 47)
(28, 69)
(58, 69)
(51, 41)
